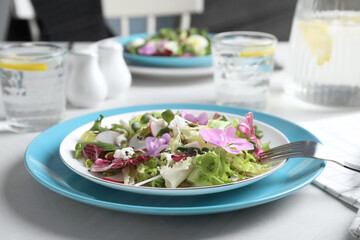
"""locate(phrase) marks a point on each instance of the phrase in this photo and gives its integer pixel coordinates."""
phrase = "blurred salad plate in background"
(168, 48)
(172, 43)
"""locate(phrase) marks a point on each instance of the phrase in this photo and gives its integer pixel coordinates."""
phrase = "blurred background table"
(31, 211)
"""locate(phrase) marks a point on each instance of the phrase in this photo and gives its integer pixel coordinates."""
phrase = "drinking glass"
(33, 85)
(243, 63)
(324, 52)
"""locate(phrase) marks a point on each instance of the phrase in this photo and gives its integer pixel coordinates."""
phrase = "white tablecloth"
(31, 211)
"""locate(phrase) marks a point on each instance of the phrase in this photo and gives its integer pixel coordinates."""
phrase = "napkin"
(340, 133)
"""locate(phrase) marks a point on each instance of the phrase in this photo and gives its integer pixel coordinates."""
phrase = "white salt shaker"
(86, 86)
(114, 68)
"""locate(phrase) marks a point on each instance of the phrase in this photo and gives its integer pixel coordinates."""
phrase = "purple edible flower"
(156, 145)
(202, 119)
(225, 139)
(149, 48)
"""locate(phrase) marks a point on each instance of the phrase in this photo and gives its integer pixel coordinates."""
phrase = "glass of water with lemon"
(243, 63)
(325, 51)
(33, 85)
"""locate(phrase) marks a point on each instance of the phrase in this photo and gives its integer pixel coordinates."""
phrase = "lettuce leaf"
(246, 164)
(265, 146)
(217, 123)
(221, 124)
(258, 133)
(97, 125)
(88, 163)
(212, 168)
(147, 170)
(180, 127)
(177, 173)
(174, 143)
(160, 182)
(88, 136)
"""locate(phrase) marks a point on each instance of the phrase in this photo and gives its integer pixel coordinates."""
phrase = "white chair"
(24, 10)
(125, 9)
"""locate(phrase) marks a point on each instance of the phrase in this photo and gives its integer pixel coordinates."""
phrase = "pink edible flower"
(148, 49)
(161, 45)
(202, 119)
(246, 126)
(156, 145)
(225, 139)
(248, 129)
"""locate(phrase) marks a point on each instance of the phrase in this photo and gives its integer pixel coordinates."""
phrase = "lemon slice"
(350, 19)
(257, 51)
(318, 39)
(24, 66)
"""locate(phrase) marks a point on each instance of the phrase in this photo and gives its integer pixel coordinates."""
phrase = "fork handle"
(344, 164)
(352, 166)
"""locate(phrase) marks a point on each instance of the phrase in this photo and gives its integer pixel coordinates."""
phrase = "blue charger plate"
(158, 61)
(44, 164)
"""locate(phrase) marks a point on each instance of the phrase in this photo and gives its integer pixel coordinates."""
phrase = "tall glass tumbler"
(243, 63)
(33, 85)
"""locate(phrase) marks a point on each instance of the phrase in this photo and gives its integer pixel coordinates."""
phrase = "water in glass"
(242, 72)
(324, 53)
(34, 97)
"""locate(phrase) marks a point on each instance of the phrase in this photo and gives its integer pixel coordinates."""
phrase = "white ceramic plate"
(67, 147)
(171, 72)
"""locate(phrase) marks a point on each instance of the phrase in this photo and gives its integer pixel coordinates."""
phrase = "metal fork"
(309, 149)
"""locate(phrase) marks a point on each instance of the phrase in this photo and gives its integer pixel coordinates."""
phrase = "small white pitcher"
(86, 86)
(114, 68)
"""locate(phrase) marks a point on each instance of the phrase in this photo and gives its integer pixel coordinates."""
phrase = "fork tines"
(294, 149)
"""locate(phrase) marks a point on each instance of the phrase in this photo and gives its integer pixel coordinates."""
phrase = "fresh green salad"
(172, 43)
(174, 149)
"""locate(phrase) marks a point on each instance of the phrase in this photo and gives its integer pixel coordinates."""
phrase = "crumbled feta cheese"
(137, 42)
(120, 139)
(198, 43)
(172, 46)
(125, 153)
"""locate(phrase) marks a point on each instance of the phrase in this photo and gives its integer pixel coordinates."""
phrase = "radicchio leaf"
(91, 152)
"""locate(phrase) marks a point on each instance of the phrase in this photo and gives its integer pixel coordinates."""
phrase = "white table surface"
(31, 211)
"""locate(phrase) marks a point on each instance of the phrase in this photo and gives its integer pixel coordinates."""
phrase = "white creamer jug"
(114, 68)
(86, 86)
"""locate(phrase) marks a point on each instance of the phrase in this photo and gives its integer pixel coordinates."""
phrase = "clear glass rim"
(59, 51)
(217, 39)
